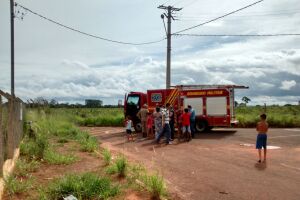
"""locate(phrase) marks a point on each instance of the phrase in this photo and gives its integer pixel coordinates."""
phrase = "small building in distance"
(93, 103)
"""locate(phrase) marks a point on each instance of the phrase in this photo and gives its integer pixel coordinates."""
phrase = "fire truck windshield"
(133, 100)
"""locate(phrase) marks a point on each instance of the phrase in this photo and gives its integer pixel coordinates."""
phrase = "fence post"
(1, 141)
(10, 132)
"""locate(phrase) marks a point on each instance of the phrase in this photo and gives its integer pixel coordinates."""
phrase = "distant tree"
(53, 103)
(246, 99)
(236, 104)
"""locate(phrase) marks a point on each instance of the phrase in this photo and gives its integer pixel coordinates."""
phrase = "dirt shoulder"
(218, 165)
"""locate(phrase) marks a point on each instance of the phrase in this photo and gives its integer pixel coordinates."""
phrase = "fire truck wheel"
(138, 127)
(201, 126)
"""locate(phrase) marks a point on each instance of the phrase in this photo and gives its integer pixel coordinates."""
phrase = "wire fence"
(11, 126)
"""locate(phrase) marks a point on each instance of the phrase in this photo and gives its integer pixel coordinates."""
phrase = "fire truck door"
(196, 103)
(216, 108)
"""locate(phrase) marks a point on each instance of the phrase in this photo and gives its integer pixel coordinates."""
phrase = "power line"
(220, 17)
(84, 33)
(239, 35)
(197, 18)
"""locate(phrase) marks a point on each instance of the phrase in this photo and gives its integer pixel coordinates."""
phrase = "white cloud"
(287, 85)
(54, 62)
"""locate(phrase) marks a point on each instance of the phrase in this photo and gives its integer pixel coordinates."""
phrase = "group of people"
(162, 123)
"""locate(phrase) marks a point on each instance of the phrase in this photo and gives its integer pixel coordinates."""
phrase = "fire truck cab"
(213, 104)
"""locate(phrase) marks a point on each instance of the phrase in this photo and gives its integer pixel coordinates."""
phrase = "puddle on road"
(252, 145)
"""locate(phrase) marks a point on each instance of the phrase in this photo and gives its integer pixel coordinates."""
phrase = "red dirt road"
(218, 165)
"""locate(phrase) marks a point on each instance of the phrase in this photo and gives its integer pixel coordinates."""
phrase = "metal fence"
(11, 126)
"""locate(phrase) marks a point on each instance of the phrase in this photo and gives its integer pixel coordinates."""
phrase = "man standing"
(172, 122)
(142, 115)
(193, 120)
(166, 125)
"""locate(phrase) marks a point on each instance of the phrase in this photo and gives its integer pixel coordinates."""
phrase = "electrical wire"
(219, 17)
(239, 35)
(84, 33)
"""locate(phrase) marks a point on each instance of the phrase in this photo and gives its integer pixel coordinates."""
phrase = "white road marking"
(273, 147)
(282, 136)
(252, 145)
(291, 167)
(247, 145)
(295, 130)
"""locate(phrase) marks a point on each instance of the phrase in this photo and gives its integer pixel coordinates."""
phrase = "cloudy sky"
(54, 62)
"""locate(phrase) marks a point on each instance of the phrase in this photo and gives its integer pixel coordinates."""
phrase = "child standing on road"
(128, 125)
(150, 121)
(186, 129)
(261, 141)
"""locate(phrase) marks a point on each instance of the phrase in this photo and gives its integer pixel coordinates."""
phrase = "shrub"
(84, 186)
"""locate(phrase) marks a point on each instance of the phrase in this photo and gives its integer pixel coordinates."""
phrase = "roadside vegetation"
(277, 116)
(58, 159)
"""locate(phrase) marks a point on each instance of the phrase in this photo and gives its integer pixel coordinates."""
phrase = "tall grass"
(106, 156)
(83, 187)
(277, 116)
(95, 116)
(155, 185)
(13, 185)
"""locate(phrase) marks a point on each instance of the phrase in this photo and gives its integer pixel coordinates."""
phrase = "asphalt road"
(221, 164)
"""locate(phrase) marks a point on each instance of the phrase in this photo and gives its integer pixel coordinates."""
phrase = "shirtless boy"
(261, 141)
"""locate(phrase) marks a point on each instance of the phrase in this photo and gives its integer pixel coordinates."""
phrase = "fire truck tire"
(201, 126)
(138, 127)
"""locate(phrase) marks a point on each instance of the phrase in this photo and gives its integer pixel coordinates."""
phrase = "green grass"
(155, 185)
(13, 185)
(84, 186)
(277, 116)
(106, 156)
(87, 143)
(93, 116)
(55, 158)
(23, 167)
(120, 167)
(34, 148)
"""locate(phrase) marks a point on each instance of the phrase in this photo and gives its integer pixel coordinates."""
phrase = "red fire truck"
(213, 104)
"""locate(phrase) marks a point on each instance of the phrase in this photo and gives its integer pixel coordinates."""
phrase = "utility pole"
(12, 34)
(169, 10)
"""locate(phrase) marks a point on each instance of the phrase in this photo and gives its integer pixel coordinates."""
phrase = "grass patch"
(277, 116)
(121, 166)
(106, 156)
(13, 185)
(62, 140)
(55, 158)
(23, 167)
(155, 185)
(87, 143)
(34, 148)
(85, 186)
